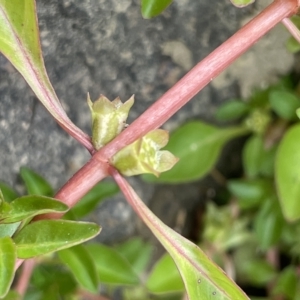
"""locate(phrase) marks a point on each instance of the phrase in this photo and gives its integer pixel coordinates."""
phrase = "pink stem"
(91, 173)
(292, 28)
(24, 278)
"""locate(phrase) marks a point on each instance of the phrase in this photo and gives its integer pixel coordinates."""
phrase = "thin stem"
(23, 281)
(292, 28)
(91, 173)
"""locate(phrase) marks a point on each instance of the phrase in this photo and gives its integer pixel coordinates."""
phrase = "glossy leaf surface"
(152, 8)
(198, 146)
(8, 258)
(30, 206)
(202, 278)
(287, 173)
(47, 236)
(112, 267)
(165, 277)
(81, 264)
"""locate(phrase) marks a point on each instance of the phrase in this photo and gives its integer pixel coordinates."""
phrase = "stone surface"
(261, 65)
(106, 47)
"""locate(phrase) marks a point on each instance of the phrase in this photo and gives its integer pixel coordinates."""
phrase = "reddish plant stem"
(91, 173)
(24, 277)
(178, 95)
(292, 28)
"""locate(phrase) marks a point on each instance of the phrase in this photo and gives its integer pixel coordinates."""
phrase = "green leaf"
(268, 224)
(1, 199)
(137, 252)
(257, 272)
(286, 283)
(232, 110)
(12, 295)
(268, 162)
(202, 278)
(50, 293)
(89, 202)
(259, 99)
(19, 42)
(165, 277)
(292, 45)
(112, 267)
(287, 173)
(8, 229)
(284, 103)
(47, 236)
(52, 275)
(81, 264)
(7, 262)
(198, 146)
(152, 8)
(242, 3)
(252, 155)
(222, 230)
(250, 192)
(8, 193)
(29, 206)
(35, 184)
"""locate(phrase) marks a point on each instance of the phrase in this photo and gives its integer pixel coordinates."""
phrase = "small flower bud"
(143, 156)
(108, 119)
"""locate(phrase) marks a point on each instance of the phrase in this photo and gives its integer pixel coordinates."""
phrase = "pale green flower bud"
(143, 156)
(258, 121)
(108, 119)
